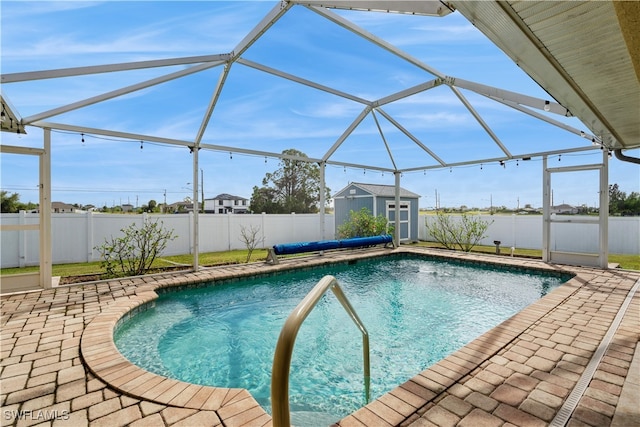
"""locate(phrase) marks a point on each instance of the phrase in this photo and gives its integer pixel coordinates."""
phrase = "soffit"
(581, 53)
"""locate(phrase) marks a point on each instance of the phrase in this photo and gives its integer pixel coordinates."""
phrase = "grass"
(628, 262)
(205, 259)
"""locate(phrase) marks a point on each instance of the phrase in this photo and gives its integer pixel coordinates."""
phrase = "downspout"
(620, 156)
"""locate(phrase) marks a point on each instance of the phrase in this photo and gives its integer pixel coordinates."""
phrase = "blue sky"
(262, 112)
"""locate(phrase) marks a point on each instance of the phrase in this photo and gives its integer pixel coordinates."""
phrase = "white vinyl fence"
(76, 235)
(525, 231)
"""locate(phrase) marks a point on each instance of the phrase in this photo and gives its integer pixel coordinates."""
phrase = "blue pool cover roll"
(295, 248)
(355, 242)
(323, 245)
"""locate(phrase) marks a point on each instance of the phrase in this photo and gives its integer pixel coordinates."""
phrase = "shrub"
(363, 224)
(249, 236)
(134, 253)
(463, 234)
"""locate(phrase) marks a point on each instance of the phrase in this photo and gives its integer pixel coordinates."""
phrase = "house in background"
(380, 200)
(564, 209)
(60, 207)
(226, 203)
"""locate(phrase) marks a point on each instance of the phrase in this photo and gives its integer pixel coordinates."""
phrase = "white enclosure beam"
(212, 103)
(109, 68)
(481, 121)
(46, 259)
(544, 118)
(518, 98)
(396, 230)
(546, 211)
(196, 211)
(523, 157)
(425, 7)
(274, 14)
(323, 200)
(14, 149)
(302, 81)
(190, 144)
(603, 210)
(408, 92)
(346, 133)
(112, 133)
(119, 92)
(410, 136)
(337, 19)
(384, 140)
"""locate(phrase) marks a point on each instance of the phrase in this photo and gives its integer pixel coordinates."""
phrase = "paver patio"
(59, 366)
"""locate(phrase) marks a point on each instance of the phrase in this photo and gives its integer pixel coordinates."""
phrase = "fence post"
(22, 240)
(190, 232)
(90, 244)
(264, 236)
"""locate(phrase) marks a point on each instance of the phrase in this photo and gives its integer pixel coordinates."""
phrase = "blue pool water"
(416, 310)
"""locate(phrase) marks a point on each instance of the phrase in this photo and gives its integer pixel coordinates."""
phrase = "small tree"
(363, 224)
(463, 234)
(250, 239)
(134, 253)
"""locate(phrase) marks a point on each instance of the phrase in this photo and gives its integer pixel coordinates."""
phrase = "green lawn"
(628, 262)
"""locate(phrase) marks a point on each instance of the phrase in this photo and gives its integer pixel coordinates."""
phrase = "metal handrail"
(282, 357)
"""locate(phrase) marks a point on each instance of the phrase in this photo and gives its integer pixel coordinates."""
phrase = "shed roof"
(381, 190)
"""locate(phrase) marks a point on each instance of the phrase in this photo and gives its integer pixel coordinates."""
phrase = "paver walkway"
(58, 366)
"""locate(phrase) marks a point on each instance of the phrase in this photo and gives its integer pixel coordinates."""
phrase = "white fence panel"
(75, 236)
(522, 231)
(624, 235)
(68, 238)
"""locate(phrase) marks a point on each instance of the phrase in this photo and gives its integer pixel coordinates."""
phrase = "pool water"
(417, 311)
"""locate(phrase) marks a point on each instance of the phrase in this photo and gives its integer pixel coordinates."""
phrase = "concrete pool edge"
(101, 357)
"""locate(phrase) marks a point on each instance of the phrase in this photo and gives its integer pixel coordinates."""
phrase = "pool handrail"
(284, 348)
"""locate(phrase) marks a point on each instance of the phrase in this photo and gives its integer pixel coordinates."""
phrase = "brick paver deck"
(59, 366)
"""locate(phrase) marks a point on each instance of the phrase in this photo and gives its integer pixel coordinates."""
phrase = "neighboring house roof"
(225, 196)
(563, 206)
(61, 206)
(381, 190)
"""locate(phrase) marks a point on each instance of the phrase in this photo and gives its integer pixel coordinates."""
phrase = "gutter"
(620, 156)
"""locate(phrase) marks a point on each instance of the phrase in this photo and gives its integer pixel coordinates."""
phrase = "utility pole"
(164, 206)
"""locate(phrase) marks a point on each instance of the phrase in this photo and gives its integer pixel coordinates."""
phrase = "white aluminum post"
(196, 209)
(397, 209)
(603, 233)
(45, 213)
(322, 199)
(546, 211)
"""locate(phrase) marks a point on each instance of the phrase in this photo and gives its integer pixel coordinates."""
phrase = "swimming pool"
(417, 311)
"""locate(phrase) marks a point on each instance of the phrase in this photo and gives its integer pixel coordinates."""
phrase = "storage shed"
(380, 200)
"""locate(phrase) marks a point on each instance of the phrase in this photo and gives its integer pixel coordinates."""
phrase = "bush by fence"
(523, 231)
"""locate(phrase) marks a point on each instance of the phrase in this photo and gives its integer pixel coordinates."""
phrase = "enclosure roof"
(584, 54)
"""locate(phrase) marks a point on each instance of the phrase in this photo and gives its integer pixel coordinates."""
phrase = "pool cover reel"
(323, 245)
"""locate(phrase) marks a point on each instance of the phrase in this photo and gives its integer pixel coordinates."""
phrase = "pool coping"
(45, 381)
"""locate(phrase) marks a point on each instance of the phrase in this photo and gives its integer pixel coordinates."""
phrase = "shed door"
(405, 218)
